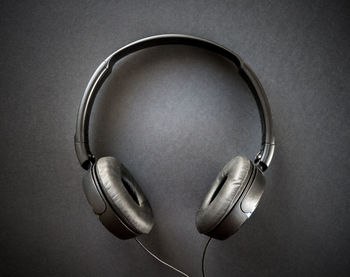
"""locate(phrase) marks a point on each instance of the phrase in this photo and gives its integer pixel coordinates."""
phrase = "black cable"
(160, 260)
(203, 257)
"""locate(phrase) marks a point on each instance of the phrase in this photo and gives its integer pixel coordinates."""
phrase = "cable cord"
(203, 257)
(160, 260)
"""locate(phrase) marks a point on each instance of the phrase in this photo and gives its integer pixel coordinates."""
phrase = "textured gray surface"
(175, 116)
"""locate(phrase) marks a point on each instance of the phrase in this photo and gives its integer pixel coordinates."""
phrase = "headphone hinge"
(85, 157)
(259, 163)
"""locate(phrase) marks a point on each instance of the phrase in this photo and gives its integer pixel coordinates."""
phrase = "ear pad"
(223, 194)
(124, 195)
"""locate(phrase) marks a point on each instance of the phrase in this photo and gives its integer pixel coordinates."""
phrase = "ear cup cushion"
(124, 195)
(223, 194)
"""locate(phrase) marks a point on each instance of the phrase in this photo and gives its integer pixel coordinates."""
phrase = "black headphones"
(116, 197)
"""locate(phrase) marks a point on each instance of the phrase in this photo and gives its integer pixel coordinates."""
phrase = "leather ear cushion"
(124, 195)
(223, 194)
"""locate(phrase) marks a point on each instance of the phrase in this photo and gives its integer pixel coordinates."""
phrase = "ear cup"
(124, 195)
(223, 194)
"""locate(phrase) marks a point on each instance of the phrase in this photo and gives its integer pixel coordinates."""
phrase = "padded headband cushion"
(223, 194)
(124, 195)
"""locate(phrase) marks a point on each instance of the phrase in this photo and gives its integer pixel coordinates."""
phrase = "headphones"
(116, 197)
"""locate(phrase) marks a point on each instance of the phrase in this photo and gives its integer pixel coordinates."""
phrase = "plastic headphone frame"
(81, 138)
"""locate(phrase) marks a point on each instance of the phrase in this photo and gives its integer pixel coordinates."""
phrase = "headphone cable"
(203, 257)
(160, 260)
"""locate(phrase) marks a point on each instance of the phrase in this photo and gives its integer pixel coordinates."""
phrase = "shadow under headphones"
(119, 201)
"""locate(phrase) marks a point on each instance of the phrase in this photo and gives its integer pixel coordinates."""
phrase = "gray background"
(175, 115)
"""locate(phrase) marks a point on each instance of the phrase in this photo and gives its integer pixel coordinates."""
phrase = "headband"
(81, 138)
